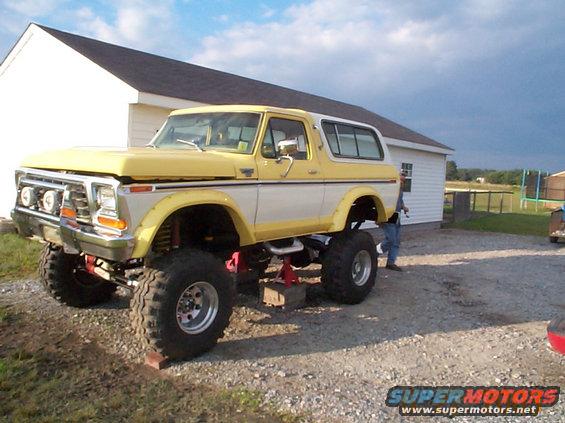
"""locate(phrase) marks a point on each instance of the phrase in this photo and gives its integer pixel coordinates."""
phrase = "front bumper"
(72, 237)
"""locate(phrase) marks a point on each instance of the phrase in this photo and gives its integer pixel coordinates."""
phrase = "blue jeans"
(391, 242)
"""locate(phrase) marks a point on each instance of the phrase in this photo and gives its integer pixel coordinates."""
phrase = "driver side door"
(291, 187)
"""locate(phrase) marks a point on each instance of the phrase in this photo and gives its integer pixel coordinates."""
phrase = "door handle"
(312, 171)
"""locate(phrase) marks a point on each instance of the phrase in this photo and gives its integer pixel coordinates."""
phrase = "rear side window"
(352, 141)
(331, 135)
(367, 144)
(346, 138)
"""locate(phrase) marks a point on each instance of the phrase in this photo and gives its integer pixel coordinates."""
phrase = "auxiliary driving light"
(28, 196)
(51, 201)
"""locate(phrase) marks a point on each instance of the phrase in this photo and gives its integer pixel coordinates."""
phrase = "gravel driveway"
(470, 308)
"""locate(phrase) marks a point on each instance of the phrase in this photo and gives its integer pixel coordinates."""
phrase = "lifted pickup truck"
(161, 220)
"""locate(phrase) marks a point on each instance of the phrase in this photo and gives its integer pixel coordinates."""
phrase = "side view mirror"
(287, 147)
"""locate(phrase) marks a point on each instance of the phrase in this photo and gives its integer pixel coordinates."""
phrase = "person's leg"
(385, 245)
(395, 246)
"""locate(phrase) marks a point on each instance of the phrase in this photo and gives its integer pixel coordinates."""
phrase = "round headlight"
(51, 201)
(28, 196)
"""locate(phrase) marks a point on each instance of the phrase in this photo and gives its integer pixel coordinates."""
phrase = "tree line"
(492, 176)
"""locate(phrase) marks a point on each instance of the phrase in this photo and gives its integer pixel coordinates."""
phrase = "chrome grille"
(80, 202)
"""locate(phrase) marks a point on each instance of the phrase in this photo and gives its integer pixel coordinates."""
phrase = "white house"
(60, 90)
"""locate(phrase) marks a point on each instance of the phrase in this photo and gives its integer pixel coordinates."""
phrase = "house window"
(407, 168)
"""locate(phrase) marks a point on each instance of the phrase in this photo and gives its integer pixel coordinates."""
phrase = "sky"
(484, 77)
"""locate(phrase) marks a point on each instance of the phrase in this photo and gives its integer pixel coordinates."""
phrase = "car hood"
(138, 163)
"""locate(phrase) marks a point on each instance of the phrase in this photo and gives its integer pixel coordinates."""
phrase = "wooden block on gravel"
(277, 295)
(156, 360)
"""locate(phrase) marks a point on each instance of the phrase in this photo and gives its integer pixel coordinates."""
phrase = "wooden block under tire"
(156, 360)
(277, 295)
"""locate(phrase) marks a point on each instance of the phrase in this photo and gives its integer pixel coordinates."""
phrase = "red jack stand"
(90, 264)
(236, 264)
(286, 275)
(290, 296)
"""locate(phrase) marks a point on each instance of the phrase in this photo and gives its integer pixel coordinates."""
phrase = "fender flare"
(339, 217)
(152, 221)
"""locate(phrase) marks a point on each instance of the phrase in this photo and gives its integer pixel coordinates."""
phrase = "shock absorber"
(163, 239)
(175, 233)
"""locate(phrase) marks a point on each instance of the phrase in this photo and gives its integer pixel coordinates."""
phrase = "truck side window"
(347, 144)
(367, 144)
(331, 135)
(284, 129)
(268, 147)
(352, 141)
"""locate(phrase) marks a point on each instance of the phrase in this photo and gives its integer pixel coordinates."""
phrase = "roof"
(173, 78)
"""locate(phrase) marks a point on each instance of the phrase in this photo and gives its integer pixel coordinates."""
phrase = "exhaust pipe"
(283, 251)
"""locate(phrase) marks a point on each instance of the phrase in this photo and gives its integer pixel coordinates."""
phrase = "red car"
(556, 334)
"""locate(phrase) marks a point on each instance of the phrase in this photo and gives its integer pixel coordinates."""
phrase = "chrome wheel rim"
(361, 268)
(197, 307)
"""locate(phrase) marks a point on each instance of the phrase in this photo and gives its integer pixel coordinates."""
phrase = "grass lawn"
(18, 257)
(513, 220)
(510, 223)
(51, 375)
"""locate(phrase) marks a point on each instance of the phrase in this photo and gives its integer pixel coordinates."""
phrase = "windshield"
(234, 132)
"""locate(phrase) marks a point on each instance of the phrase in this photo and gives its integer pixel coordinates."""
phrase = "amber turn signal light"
(141, 188)
(113, 223)
(68, 213)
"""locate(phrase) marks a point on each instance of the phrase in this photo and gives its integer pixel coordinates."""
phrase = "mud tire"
(337, 264)
(155, 300)
(65, 282)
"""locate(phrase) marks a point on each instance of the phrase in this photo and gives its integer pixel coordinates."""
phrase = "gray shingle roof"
(159, 75)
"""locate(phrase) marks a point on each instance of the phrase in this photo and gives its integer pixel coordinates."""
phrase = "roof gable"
(173, 78)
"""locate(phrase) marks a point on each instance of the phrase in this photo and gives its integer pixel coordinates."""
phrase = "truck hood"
(137, 163)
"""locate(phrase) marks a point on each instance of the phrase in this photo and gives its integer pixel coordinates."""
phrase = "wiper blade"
(191, 143)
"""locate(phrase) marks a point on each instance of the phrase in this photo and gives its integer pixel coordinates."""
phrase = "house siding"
(425, 201)
(144, 122)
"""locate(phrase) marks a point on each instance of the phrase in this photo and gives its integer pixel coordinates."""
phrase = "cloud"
(141, 24)
(16, 15)
(267, 12)
(32, 8)
(367, 47)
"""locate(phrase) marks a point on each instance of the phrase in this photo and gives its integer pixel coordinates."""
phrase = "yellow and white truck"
(161, 220)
